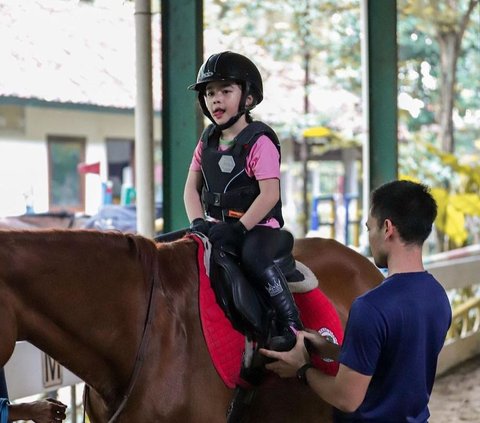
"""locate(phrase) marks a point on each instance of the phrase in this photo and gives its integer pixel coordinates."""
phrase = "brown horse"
(122, 314)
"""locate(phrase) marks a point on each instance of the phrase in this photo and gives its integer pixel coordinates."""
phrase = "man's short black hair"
(409, 206)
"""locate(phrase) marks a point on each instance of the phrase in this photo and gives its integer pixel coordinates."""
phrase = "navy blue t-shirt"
(394, 333)
(3, 385)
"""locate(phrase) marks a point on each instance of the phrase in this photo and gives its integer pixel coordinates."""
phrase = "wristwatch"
(301, 373)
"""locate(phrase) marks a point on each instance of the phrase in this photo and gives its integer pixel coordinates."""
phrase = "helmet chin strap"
(234, 119)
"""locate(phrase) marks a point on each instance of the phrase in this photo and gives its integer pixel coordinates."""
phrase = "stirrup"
(284, 342)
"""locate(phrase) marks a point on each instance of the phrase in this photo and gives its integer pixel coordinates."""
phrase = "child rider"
(234, 179)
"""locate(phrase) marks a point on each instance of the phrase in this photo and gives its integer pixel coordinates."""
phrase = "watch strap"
(301, 373)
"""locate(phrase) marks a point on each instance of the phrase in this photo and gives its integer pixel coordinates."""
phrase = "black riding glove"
(228, 237)
(200, 225)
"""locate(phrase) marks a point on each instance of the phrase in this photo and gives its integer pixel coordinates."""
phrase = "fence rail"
(459, 269)
(30, 372)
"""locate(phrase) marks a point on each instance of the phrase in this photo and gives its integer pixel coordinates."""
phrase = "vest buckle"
(216, 199)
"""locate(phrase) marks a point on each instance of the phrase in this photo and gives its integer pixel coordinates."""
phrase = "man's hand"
(320, 345)
(288, 362)
(43, 411)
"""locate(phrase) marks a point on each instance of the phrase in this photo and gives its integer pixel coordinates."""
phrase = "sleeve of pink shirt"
(197, 158)
(263, 161)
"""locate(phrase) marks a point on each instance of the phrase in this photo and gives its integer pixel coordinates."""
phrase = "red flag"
(84, 168)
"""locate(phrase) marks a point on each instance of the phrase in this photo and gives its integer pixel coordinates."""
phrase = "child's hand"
(227, 236)
(200, 225)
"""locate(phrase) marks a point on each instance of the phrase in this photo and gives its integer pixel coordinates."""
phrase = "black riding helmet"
(229, 66)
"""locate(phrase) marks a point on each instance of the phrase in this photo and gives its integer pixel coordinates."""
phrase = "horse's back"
(343, 274)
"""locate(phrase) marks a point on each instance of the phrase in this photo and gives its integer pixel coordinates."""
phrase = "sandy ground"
(456, 394)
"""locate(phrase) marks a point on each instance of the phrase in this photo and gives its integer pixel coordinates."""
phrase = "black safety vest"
(228, 191)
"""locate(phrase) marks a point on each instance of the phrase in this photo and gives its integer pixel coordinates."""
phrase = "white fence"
(30, 371)
(459, 269)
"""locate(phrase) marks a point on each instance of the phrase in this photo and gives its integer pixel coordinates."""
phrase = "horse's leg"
(94, 406)
(286, 400)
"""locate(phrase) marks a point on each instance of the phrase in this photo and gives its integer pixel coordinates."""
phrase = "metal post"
(366, 119)
(144, 180)
(73, 403)
(382, 95)
(379, 97)
(182, 122)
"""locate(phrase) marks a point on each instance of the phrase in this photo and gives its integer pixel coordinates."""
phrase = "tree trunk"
(450, 41)
(449, 51)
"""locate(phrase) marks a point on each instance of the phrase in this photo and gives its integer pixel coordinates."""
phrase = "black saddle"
(245, 306)
(250, 313)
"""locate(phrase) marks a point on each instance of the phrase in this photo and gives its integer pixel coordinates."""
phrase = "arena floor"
(456, 395)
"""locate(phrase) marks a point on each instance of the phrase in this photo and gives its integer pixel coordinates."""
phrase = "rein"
(138, 361)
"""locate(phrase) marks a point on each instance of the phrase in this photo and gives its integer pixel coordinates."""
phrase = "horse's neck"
(80, 298)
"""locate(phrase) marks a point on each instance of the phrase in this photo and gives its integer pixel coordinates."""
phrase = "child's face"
(222, 99)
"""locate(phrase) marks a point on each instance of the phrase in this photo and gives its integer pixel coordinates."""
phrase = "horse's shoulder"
(328, 253)
(180, 250)
(308, 246)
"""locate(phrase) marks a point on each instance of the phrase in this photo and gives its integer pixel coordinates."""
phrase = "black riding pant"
(259, 250)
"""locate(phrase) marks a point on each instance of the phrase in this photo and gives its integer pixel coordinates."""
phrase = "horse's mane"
(167, 265)
(162, 262)
(142, 248)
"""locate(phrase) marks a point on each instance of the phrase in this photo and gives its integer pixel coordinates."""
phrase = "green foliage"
(327, 32)
(420, 24)
(455, 185)
(287, 30)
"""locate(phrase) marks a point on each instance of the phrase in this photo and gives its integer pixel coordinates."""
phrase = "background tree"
(446, 21)
(306, 46)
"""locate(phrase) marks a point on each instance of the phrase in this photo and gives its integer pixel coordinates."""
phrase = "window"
(66, 185)
(120, 155)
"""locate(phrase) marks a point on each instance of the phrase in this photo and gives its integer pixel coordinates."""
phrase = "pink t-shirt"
(263, 162)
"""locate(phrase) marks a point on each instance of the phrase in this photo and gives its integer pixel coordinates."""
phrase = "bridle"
(138, 360)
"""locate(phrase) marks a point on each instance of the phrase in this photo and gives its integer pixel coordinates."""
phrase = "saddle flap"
(238, 299)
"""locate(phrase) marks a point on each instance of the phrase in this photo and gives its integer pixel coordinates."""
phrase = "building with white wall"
(67, 96)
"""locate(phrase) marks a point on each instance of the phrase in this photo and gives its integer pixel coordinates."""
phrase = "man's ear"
(388, 227)
(249, 100)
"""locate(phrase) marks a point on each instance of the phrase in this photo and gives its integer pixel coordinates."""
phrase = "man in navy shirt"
(394, 332)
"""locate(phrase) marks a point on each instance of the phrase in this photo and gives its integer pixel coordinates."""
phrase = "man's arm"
(43, 411)
(345, 391)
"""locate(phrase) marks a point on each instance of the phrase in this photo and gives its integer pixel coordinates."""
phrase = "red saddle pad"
(226, 345)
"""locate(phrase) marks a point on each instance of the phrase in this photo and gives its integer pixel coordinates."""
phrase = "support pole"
(382, 90)
(379, 97)
(182, 122)
(144, 180)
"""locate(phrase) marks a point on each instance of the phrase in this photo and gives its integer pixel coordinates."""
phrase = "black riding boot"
(286, 311)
